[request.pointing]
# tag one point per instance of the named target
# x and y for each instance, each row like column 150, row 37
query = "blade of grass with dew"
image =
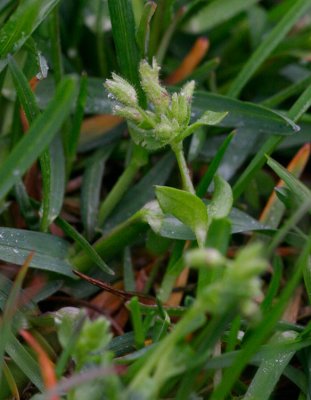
column 21, row 24
column 264, row 328
column 52, row 160
column 271, row 40
column 270, row 369
column 41, row 133
column 82, row 242
column 50, row 251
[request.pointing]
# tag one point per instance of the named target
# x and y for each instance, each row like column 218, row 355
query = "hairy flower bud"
column 156, row 93
column 129, row 113
column 121, row 90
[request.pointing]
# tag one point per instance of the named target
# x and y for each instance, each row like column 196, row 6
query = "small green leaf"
column 209, row 118
column 186, row 207
column 212, row 117
column 221, row 203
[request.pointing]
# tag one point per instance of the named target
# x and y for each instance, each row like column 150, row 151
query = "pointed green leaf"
column 186, row 207
column 222, row 200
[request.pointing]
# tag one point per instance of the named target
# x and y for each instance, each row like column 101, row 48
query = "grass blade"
column 20, row 26
column 82, row 242
column 122, row 21
column 266, row 47
column 38, row 138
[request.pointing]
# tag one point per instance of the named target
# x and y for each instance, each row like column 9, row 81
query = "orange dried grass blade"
column 190, row 62
column 296, row 167
column 46, row 365
column 98, row 125
column 175, row 298
column 25, row 124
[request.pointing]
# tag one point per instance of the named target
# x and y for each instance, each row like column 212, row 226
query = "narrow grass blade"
column 82, row 242
column 52, row 161
column 137, row 322
column 22, row 23
column 142, row 192
column 38, row 138
column 299, row 190
column 25, row 361
column 72, row 138
column 122, row 21
column 274, row 209
column 212, row 169
column 266, row 47
column 270, row 369
column 90, row 192
column 111, row 244
column 25, row 94
column 143, row 31
column 53, row 179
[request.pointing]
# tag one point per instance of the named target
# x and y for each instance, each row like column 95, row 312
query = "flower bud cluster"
column 168, row 117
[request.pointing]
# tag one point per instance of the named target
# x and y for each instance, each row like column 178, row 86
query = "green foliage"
column 142, row 144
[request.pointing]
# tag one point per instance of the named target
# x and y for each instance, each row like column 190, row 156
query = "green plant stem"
column 110, row 245
column 139, row 158
column 182, row 165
